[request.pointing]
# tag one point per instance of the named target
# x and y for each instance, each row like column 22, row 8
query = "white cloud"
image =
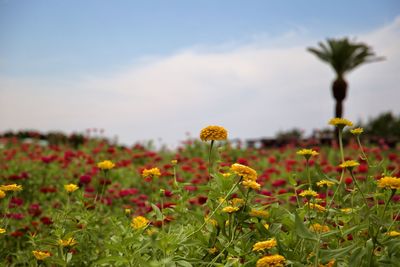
column 253, row 90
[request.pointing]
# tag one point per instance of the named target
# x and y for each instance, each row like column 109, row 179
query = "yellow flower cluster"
column 139, row 222
column 11, row 187
column 41, row 255
column 71, row 188
column 349, row 164
column 308, row 193
column 67, row 242
column 263, row 214
column 105, row 165
column 2, row 230
column 2, row 194
column 340, row 122
column 271, row 261
column 268, row 244
column 153, row 172
column 317, row 207
column 318, row 228
column 389, row 182
column 357, row 131
column 213, row 133
column 326, row 183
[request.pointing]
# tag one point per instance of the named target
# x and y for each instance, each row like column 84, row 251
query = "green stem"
column 308, row 173
column 358, row 188
column 210, row 167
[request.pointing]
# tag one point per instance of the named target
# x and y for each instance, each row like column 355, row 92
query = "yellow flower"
column 270, row 243
column 317, row 207
column 389, row 182
column 349, row 164
column 71, row 187
column 139, row 222
column 230, row 209
column 325, row 183
column 127, row 211
column 151, row 231
column 317, row 228
column 238, row 202
column 106, row 165
column 266, row 225
column 307, row 153
column 340, row 122
column 393, row 233
column 40, row 255
column 153, row 172
column 251, row 184
column 246, row 172
column 2, row 230
column 212, row 250
column 67, row 242
column 213, row 133
column 2, row 194
column 11, row 187
column 174, row 162
column 308, row 193
column 346, row 210
column 357, row 131
column 271, row 261
column 263, row 214
column 211, row 221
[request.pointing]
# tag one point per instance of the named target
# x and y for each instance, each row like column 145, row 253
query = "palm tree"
column 343, row 56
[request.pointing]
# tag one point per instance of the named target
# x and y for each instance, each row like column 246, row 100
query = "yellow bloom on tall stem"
column 106, row 165
column 139, row 222
column 307, row 153
column 11, row 187
column 153, row 172
column 271, row 261
column 230, row 209
column 326, row 183
column 308, row 193
column 213, row 133
column 357, row 131
column 340, row 122
column 389, row 182
column 349, row 164
column 71, row 188
column 40, row 255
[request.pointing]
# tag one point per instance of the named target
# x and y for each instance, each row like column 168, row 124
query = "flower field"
column 207, row 203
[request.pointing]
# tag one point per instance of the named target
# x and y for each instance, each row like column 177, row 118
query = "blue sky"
column 108, row 52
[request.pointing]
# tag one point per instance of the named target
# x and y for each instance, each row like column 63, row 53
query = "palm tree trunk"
column 338, row 109
column 339, row 90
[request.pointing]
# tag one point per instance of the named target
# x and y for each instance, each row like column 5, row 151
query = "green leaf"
column 336, row 253
column 159, row 215
column 302, row 230
column 184, row 263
